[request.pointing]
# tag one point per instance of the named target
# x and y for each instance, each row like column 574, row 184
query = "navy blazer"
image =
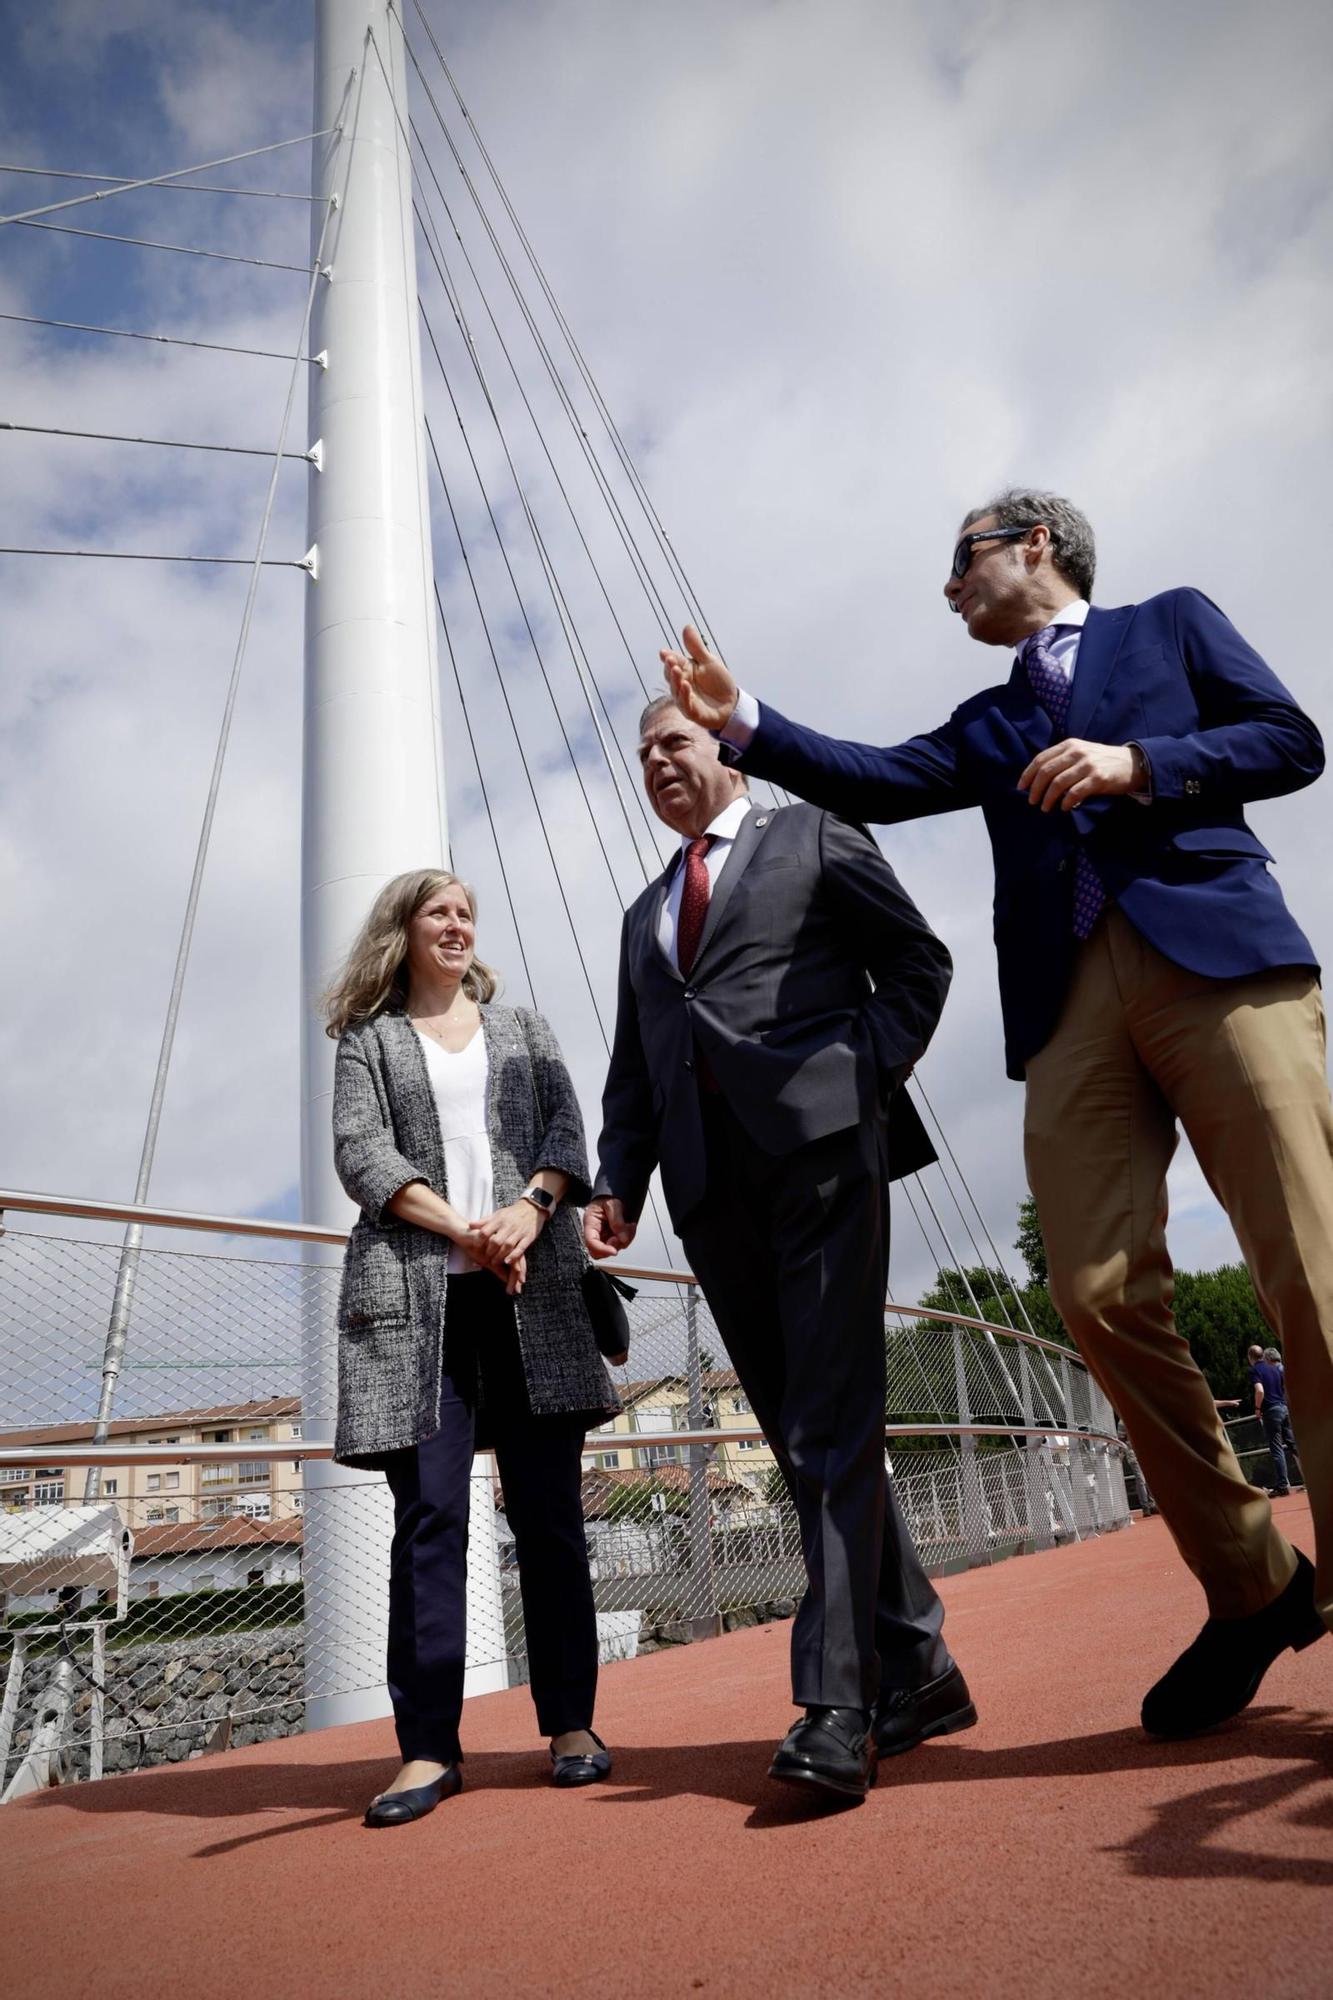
column 1218, row 729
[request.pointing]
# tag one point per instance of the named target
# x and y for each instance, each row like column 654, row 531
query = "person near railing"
column 1269, row 1383
column 1150, row 972
column 776, row 987
column 462, row 1323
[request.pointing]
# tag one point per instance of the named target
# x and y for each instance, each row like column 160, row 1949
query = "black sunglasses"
column 962, row 555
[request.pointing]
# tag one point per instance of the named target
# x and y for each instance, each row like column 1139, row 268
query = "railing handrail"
column 85, row 1210
column 308, row 1448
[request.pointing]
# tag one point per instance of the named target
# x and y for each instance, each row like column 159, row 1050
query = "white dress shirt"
column 722, row 834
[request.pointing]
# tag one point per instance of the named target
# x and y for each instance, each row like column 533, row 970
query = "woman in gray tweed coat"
column 461, row 1321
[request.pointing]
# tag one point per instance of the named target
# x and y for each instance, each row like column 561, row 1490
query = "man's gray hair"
column 1073, row 546
column 1271, row 1354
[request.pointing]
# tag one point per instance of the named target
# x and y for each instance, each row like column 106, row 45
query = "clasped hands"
column 501, row 1242
column 1064, row 775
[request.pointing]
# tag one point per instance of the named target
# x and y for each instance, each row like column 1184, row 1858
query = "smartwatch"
column 540, row 1198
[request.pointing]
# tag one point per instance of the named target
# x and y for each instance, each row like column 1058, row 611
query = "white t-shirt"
column 459, row 1082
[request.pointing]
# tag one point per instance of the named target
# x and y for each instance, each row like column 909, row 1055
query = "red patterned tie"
column 693, row 903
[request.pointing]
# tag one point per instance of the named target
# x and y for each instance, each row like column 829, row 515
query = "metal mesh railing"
column 255, row 1580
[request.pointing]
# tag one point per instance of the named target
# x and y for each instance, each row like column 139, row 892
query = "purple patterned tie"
column 1053, row 690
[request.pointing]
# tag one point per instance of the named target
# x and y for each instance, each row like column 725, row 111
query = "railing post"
column 703, row 1618
column 1039, row 1509
column 1083, row 1513
column 976, row 1526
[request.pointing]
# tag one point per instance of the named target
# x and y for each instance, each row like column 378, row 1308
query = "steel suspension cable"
column 123, row 186
column 638, row 562
column 485, row 793
column 114, row 183
column 167, row 339
column 642, row 569
column 150, row 243
column 518, row 741
column 551, row 585
column 976, row 1206
column 118, row 1327
column 622, row 451
column 121, row 437
column 140, row 555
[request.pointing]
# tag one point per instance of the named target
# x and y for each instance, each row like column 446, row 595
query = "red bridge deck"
column 1051, row 1851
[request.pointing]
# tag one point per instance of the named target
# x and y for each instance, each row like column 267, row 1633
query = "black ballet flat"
column 582, row 1770
column 399, row 1808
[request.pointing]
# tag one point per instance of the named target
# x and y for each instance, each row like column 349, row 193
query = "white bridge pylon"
column 373, row 801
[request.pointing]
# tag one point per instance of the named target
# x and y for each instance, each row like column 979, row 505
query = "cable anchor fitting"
column 310, row 562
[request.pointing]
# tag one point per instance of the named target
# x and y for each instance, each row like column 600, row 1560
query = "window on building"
column 298, row 1430
column 254, row 1576
column 111, row 1487
column 216, row 1510
column 662, row 1454
column 172, row 1513
column 609, row 1460
column 155, row 1482
column 216, row 1475
column 172, row 1482
column 252, row 1472
column 219, row 1437
column 298, row 1503
column 740, row 1406
column 255, row 1507
column 256, row 1436
column 155, row 1514
column 749, row 1444
column 48, row 1492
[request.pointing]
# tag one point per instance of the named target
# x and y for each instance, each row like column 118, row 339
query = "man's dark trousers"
column 1276, row 1420
column 792, row 1253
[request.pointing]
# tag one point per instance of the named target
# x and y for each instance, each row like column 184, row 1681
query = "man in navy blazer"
column 1150, row 972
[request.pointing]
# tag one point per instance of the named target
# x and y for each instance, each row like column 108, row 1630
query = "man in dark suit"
column 1149, row 972
column 776, row 988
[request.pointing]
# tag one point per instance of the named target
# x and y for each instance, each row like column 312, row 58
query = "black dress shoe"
column 1220, row 1673
column 829, row 1747
column 399, row 1808
column 907, row 1716
column 580, row 1768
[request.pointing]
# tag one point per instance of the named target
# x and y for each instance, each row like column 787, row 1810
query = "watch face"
column 540, row 1197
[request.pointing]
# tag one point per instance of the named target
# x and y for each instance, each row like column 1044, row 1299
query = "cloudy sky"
column 840, row 270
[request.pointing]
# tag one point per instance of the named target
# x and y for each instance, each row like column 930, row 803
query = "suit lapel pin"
column 761, row 821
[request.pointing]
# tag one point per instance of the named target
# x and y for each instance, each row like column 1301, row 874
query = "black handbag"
column 604, row 1296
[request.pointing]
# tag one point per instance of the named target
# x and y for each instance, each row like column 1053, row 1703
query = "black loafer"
column 582, row 1769
column 907, row 1716
column 400, row 1808
column 1219, row 1675
column 829, row 1747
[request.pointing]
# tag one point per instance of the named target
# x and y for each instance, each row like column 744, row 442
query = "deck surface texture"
column 1052, row 1850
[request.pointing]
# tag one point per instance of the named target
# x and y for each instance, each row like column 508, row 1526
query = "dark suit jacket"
column 1218, row 728
column 804, row 916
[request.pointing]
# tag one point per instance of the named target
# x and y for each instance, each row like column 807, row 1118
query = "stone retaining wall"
column 164, row 1701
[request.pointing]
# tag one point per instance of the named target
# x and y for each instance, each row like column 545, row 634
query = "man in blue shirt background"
column 1269, row 1383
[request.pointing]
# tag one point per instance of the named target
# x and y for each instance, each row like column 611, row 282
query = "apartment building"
column 662, row 1405
column 167, row 1495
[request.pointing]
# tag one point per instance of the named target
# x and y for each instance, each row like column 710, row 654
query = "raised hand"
column 1073, row 770
column 605, row 1228
column 700, row 685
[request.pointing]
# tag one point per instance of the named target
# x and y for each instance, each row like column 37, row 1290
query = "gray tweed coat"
column 391, row 1310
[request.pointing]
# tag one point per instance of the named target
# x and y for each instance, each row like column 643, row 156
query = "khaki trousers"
column 1240, row 1063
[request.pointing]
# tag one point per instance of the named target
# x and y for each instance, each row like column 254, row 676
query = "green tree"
column 1029, row 1244
column 1219, row 1316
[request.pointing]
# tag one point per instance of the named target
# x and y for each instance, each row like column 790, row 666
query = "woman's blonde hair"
column 375, row 975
